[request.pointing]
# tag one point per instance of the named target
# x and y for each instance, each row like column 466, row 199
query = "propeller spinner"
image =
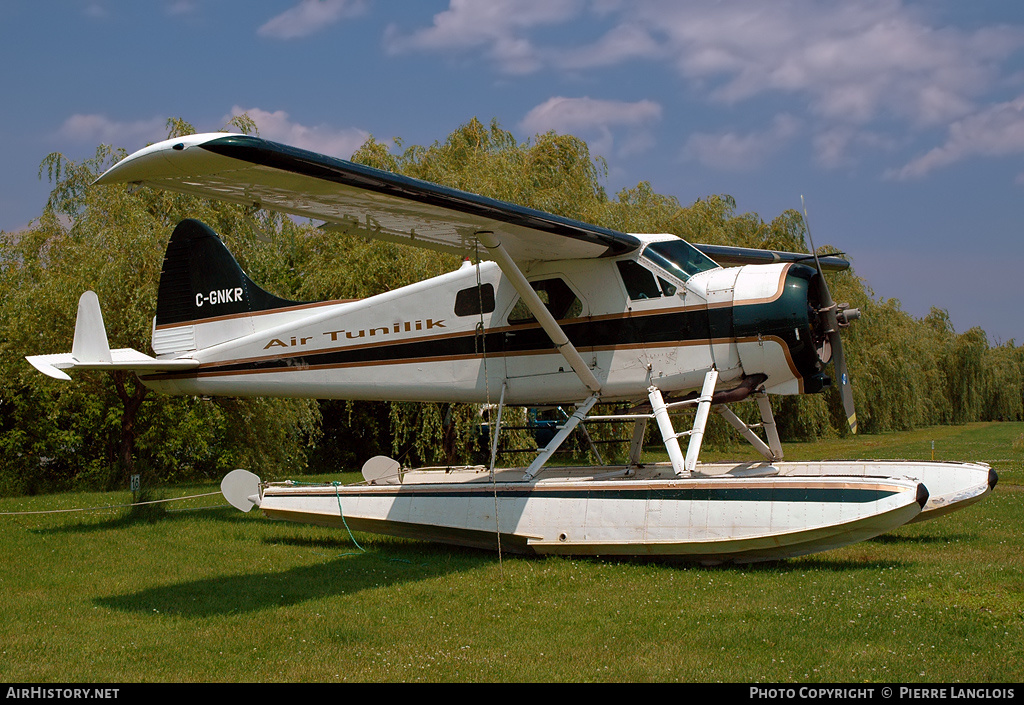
column 833, row 317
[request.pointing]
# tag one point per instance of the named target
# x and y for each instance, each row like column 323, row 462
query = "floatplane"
column 545, row 311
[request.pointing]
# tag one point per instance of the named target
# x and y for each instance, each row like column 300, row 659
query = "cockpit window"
column 679, row 257
column 640, row 282
column 557, row 297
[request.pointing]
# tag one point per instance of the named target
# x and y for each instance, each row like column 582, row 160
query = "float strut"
column 496, row 430
column 701, row 421
column 636, row 445
column 747, row 432
column 571, row 423
column 668, row 434
column 764, row 405
column 684, row 466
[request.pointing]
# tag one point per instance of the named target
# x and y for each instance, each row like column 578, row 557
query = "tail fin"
column 201, row 281
column 90, row 343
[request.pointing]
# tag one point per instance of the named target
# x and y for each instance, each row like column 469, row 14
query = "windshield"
column 679, row 258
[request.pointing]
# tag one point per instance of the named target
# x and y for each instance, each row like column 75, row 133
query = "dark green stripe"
column 839, row 495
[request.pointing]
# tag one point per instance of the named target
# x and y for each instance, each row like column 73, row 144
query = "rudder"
column 199, row 281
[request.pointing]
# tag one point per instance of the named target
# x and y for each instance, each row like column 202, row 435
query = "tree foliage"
column 103, row 427
column 906, row 372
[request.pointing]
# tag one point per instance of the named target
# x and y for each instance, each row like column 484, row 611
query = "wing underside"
column 352, row 197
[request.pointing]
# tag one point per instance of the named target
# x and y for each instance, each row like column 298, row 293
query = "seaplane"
column 545, row 311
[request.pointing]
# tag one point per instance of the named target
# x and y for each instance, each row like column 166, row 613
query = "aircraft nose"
column 786, row 317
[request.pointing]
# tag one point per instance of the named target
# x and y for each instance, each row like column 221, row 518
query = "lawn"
column 200, row 592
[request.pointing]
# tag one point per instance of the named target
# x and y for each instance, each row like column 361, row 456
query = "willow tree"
column 103, row 427
column 906, row 372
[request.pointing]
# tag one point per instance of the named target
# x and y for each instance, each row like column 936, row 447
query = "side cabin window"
column 474, row 300
column 640, row 282
column 679, row 258
column 559, row 299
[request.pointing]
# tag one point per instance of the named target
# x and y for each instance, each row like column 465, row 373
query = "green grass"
column 217, row 595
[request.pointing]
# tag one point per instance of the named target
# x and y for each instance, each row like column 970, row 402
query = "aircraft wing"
column 352, row 197
column 728, row 256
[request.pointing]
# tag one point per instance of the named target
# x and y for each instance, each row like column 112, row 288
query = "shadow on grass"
column 921, row 539
column 801, row 564
column 347, row 570
column 346, row 574
column 139, row 515
column 354, row 571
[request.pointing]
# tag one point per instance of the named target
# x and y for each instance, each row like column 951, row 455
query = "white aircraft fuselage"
column 448, row 339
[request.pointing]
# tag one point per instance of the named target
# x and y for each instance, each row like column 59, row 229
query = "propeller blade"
column 827, row 303
column 829, row 312
column 845, row 388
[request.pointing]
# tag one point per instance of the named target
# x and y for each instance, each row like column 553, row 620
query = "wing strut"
column 539, row 310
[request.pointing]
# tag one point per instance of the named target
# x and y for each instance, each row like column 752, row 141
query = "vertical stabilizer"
column 200, row 279
column 201, row 282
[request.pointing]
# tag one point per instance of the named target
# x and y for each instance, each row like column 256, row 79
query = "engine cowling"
column 777, row 327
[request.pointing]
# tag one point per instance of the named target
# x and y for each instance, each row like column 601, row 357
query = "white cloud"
column 733, row 151
column 585, row 115
column 101, row 129
column 95, row 10
column 181, row 7
column 622, row 43
column 495, row 26
column 309, row 17
column 995, row 131
column 851, row 70
column 853, row 62
column 566, row 114
column 278, row 127
column 273, row 125
column 841, row 145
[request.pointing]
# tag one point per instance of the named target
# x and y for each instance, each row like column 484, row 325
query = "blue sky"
column 900, row 122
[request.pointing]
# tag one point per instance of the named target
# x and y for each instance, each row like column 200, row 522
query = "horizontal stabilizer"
column 90, row 350
column 121, row 359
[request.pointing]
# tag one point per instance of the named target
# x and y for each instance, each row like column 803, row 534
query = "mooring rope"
column 194, row 496
column 337, row 495
column 114, row 506
column 495, row 429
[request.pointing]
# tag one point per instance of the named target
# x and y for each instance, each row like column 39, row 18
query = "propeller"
column 833, row 317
